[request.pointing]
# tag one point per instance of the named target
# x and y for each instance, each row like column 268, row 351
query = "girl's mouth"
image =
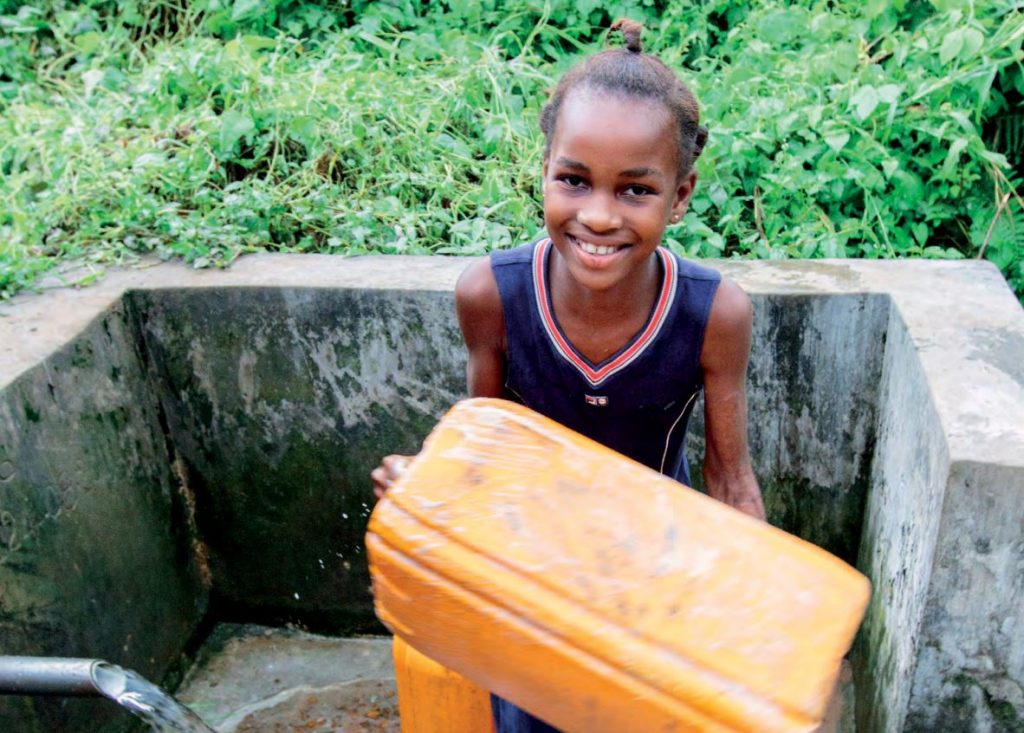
column 595, row 249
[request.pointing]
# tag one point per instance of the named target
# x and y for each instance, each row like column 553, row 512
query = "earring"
column 675, row 218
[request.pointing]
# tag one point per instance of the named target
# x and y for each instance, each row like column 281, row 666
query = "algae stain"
column 1004, row 714
column 31, row 414
column 200, row 551
column 958, row 710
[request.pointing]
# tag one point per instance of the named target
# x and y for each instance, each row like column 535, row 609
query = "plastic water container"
column 434, row 699
column 599, row 595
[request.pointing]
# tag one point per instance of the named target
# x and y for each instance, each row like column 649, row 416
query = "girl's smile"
column 597, row 256
column 595, row 249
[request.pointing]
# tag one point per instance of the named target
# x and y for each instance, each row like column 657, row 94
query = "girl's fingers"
column 396, row 466
column 390, row 468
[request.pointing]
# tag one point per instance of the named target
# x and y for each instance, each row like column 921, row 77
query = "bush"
column 202, row 130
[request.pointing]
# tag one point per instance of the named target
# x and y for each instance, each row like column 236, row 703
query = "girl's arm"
column 728, row 474
column 482, row 321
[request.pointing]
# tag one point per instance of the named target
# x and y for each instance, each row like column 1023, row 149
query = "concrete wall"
column 944, row 534
column 279, row 403
column 973, row 682
column 303, row 383
column 900, row 532
column 260, row 397
column 812, row 389
column 94, row 549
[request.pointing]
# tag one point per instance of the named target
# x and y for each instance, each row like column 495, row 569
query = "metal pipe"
column 67, row 677
column 48, row 676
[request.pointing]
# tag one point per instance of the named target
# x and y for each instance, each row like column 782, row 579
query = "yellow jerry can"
column 599, row 595
column 434, row 699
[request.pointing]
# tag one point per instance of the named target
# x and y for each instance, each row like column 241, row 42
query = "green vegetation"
column 210, row 128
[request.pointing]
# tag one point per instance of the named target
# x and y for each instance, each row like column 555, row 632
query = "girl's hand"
column 390, row 468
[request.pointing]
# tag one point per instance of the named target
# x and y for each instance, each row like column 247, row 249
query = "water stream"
column 134, row 693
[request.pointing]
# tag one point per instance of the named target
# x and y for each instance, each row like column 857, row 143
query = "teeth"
column 593, row 249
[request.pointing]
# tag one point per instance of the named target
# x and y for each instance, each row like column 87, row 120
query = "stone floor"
column 254, row 679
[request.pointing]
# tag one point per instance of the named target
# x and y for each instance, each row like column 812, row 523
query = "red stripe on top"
column 657, row 319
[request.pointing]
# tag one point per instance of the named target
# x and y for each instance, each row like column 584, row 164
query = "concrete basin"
column 182, row 448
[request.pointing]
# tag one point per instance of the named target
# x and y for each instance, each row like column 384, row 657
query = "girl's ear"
column 684, row 190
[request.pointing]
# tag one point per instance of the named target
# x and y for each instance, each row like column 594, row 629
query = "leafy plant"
column 206, row 129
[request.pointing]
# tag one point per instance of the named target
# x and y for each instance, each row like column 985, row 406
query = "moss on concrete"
column 828, row 516
column 967, row 705
column 1005, row 716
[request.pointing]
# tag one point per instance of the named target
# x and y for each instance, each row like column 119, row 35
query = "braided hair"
column 631, row 72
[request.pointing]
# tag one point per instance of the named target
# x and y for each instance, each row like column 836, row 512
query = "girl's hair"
column 630, row 72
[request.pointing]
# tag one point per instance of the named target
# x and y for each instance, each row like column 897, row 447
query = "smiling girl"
column 596, row 325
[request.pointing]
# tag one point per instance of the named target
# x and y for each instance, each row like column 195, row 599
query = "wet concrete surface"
column 258, row 679
column 253, row 678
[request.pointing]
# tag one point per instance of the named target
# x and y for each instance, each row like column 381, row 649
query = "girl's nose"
column 598, row 218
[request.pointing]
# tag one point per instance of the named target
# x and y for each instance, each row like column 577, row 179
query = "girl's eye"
column 636, row 190
column 572, row 181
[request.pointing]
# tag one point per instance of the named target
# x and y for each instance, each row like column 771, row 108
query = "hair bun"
column 630, row 31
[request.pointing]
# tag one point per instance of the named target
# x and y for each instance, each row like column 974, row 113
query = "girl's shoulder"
column 523, row 254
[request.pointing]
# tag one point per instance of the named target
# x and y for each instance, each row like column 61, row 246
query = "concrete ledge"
column 886, row 422
column 961, row 316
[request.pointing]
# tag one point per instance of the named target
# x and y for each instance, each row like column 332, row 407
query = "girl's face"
column 611, row 185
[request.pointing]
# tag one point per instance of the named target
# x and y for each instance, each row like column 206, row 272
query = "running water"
column 136, row 694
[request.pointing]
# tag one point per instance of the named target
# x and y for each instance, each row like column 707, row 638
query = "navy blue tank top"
column 638, row 401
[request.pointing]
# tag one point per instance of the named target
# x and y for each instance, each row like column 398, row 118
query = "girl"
column 596, row 325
